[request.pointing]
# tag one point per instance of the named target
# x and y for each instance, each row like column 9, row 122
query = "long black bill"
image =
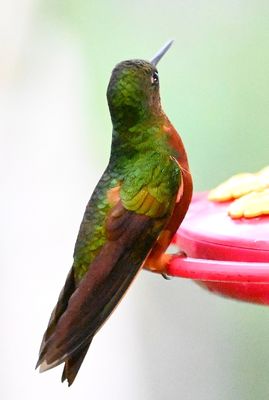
column 161, row 52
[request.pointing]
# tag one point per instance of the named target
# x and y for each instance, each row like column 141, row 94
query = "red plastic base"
column 226, row 257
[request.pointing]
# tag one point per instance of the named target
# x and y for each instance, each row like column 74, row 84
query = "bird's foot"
column 158, row 264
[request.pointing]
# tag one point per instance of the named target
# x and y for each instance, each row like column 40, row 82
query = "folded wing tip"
column 43, row 366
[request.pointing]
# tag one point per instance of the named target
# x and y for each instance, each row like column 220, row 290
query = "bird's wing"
column 132, row 227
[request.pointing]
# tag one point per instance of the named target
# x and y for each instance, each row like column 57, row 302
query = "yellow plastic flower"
column 250, row 205
column 250, row 192
column 239, row 185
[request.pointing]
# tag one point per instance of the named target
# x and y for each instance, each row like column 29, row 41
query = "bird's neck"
column 129, row 117
column 145, row 135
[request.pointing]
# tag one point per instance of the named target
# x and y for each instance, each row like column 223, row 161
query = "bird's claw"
column 166, row 277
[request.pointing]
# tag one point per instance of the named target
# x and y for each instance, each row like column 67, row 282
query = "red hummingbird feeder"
column 229, row 257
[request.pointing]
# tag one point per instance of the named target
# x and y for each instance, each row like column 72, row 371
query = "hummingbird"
column 130, row 219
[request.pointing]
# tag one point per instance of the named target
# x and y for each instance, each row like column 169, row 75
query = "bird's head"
column 133, row 91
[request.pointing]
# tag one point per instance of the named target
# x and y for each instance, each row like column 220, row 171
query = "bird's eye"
column 154, row 78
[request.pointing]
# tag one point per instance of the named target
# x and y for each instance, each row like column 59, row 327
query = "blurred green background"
column 213, row 80
column 167, row 340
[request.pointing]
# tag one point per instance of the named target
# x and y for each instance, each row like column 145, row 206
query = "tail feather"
column 73, row 364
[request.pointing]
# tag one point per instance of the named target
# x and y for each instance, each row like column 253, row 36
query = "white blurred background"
column 168, row 339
